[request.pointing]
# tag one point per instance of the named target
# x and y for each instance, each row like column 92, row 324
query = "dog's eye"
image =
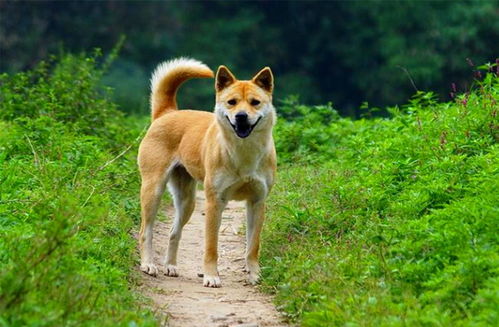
column 255, row 102
column 232, row 102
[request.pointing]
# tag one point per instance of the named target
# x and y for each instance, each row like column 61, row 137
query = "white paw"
column 149, row 268
column 211, row 281
column 253, row 270
column 253, row 278
column 171, row 271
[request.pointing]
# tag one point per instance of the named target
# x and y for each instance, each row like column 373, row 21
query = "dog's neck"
column 246, row 153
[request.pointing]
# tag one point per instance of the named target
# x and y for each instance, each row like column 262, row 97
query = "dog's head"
column 243, row 107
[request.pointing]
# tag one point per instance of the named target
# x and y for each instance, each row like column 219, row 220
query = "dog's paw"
column 171, row 271
column 252, row 268
column 149, row 268
column 211, row 281
column 253, row 278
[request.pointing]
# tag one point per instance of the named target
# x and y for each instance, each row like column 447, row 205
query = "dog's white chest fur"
column 244, row 170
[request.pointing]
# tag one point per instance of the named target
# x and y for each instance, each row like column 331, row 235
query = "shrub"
column 68, row 200
column 389, row 221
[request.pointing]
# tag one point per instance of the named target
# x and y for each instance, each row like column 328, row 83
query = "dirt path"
column 184, row 299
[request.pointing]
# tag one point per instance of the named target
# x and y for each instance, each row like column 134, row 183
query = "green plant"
column 390, row 221
column 68, row 200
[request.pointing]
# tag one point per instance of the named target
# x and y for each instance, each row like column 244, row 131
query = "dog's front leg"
column 255, row 212
column 214, row 208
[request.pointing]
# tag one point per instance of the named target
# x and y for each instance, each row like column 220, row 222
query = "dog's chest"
column 243, row 182
column 249, row 186
column 246, row 173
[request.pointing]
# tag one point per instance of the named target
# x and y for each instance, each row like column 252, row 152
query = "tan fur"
column 187, row 146
column 164, row 86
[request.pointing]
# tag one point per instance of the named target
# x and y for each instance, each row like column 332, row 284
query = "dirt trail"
column 184, row 299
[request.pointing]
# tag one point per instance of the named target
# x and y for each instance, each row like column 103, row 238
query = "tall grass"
column 68, row 200
column 373, row 222
column 388, row 221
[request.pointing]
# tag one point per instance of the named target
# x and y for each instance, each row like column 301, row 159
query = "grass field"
column 388, row 221
column 373, row 222
column 68, row 201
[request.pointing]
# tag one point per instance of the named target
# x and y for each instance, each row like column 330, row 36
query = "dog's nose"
column 241, row 116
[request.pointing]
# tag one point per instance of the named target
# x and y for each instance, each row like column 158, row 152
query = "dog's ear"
column 264, row 79
column 224, row 78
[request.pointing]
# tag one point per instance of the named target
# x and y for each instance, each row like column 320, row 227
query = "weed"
column 388, row 221
column 68, row 200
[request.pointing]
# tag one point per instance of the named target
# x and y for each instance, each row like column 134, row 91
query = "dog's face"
column 244, row 106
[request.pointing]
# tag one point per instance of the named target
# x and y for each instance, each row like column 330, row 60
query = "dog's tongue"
column 243, row 130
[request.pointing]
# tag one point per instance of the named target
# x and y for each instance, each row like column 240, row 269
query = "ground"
column 184, row 300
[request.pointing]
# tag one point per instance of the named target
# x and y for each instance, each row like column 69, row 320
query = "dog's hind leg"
column 183, row 189
column 155, row 167
column 151, row 190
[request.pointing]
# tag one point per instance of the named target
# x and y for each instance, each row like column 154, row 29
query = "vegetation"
column 341, row 51
column 388, row 221
column 377, row 221
column 68, row 200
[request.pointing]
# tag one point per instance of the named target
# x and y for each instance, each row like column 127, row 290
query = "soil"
column 184, row 300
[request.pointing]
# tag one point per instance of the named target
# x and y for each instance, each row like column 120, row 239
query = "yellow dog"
column 231, row 151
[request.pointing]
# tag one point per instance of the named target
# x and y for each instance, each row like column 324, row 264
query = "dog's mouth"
column 243, row 128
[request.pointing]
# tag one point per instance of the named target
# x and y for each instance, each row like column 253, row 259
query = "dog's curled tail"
column 167, row 78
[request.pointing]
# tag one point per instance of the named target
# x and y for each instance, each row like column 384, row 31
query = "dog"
column 231, row 151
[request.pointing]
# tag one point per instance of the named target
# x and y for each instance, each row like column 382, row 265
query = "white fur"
column 167, row 67
column 183, row 192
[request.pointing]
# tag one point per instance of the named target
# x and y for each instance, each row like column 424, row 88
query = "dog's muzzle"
column 242, row 127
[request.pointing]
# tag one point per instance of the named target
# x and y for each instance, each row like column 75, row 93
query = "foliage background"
column 346, row 52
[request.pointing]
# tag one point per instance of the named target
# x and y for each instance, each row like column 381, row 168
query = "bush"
column 68, row 200
column 389, row 221
column 307, row 132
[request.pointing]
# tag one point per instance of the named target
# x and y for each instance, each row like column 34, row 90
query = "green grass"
column 373, row 222
column 68, row 200
column 388, row 221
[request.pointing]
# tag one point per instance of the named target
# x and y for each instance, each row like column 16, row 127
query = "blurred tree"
column 426, row 41
column 346, row 52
